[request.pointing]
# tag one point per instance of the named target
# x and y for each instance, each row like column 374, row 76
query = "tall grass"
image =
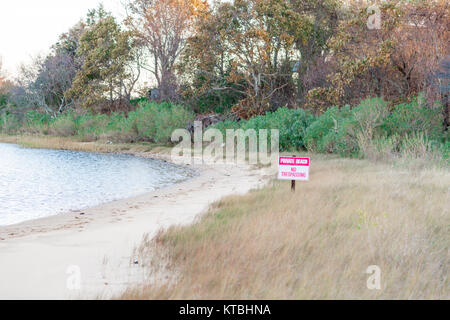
column 151, row 122
column 316, row 243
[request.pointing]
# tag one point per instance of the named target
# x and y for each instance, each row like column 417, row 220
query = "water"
column 36, row 183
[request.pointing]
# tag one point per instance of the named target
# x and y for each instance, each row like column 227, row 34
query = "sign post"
column 293, row 168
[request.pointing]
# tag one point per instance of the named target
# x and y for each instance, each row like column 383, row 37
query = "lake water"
column 36, row 183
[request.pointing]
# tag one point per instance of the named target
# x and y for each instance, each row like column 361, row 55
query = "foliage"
column 162, row 28
column 370, row 130
column 42, row 84
column 107, row 52
column 254, row 45
column 396, row 61
column 150, row 122
column 156, row 122
column 367, row 130
column 5, row 87
column 291, row 123
column 416, row 116
column 64, row 125
column 9, row 122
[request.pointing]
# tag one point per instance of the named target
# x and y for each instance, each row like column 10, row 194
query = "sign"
column 292, row 168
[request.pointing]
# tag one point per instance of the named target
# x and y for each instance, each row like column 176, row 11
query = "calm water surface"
column 36, row 183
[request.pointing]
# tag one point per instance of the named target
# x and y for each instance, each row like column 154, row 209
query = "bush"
column 150, row 122
column 412, row 130
column 291, row 123
column 9, row 123
column 323, row 134
column 37, row 122
column 344, row 131
column 155, row 122
column 415, row 116
column 90, row 127
column 64, row 125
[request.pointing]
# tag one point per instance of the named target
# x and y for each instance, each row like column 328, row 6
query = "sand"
column 42, row 259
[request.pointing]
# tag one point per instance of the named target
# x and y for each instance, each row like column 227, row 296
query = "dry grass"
column 314, row 244
column 318, row 242
column 72, row 143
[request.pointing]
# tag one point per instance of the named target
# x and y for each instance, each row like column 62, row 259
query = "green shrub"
column 342, row 139
column 150, row 122
column 155, row 122
column 291, row 123
column 414, row 117
column 228, row 124
column 343, row 130
column 90, row 127
column 323, row 134
column 64, row 125
column 36, row 122
column 3, row 100
column 370, row 116
column 9, row 123
column 445, row 150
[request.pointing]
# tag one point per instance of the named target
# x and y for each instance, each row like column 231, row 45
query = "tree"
column 395, row 62
column 163, row 27
column 313, row 48
column 205, row 67
column 43, row 83
column 5, row 87
column 110, row 66
column 27, row 93
column 1, row 72
column 2, row 78
column 257, row 45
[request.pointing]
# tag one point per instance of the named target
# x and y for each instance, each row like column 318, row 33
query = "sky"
column 30, row 27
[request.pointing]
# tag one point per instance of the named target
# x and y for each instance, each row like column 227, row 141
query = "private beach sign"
column 293, row 168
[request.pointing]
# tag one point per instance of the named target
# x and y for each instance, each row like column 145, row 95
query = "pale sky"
column 30, row 27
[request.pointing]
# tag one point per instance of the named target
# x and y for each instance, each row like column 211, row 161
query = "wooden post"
column 293, row 182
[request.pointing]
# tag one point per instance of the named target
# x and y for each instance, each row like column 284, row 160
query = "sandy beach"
column 36, row 257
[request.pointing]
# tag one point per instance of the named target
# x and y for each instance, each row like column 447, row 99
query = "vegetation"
column 243, row 58
column 369, row 130
column 108, row 59
column 311, row 69
column 151, row 122
column 313, row 244
column 334, row 77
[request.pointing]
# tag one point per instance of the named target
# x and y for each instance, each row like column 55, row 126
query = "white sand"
column 35, row 255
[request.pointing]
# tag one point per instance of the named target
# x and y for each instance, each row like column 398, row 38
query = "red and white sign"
column 292, row 168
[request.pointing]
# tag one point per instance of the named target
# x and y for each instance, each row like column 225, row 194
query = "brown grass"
column 72, row 143
column 316, row 243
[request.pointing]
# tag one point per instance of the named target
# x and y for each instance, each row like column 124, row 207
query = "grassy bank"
column 316, row 243
column 77, row 144
column 150, row 122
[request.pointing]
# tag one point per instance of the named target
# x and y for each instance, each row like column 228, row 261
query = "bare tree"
column 1, row 66
column 163, row 27
column 2, row 74
column 5, row 87
column 43, row 83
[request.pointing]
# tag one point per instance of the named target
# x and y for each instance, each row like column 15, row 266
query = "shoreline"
column 16, row 230
column 37, row 254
